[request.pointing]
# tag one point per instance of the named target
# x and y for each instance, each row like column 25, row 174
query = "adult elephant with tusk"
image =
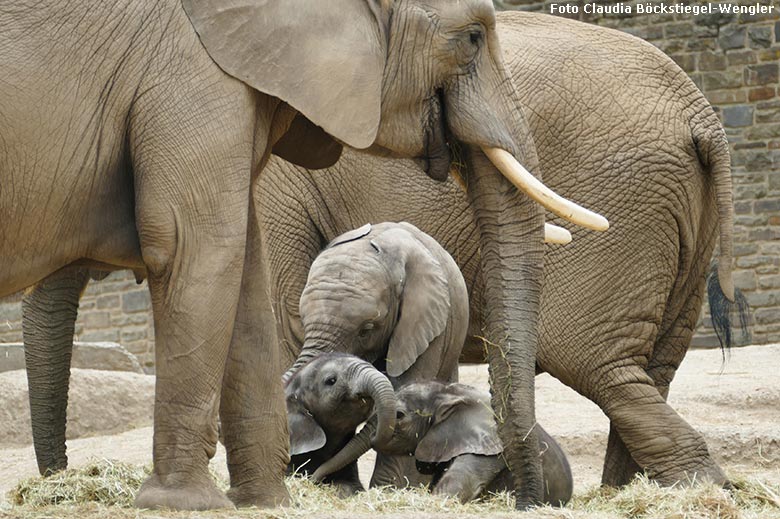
column 141, row 149
column 619, row 125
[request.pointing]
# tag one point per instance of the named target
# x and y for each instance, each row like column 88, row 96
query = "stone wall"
column 734, row 60
column 116, row 309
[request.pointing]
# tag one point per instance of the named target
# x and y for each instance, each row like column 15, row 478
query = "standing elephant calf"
column 391, row 295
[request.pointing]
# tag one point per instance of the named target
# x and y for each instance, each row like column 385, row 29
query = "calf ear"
column 306, row 435
column 462, row 424
column 325, row 58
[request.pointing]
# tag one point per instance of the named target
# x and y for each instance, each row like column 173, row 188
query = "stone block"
column 108, row 301
column 766, row 315
column 107, row 356
column 764, row 299
column 761, row 93
column 732, row 37
column 770, row 205
column 760, row 36
column 96, row 319
column 768, row 116
column 700, row 44
column 100, row 336
column 741, row 57
column 738, row 115
column 761, row 132
column 134, row 333
column 721, row 80
column 769, row 55
column 763, row 74
column 678, row 30
column 709, row 60
column 745, row 279
column 726, row 97
column 136, row 301
column 687, row 62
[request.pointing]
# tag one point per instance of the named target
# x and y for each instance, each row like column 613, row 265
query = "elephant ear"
column 462, row 424
column 307, row 145
column 324, row 58
column 424, row 307
column 306, row 435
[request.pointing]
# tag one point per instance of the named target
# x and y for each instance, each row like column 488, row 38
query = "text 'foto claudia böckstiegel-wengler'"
column 664, row 8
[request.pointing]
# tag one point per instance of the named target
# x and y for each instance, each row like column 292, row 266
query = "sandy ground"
column 735, row 405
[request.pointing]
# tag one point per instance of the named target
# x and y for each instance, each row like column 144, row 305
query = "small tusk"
column 555, row 234
column 549, row 199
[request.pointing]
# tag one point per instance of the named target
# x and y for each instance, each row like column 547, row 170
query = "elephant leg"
column 659, row 440
column 398, row 471
column 49, row 314
column 254, row 371
column 192, row 161
column 668, row 353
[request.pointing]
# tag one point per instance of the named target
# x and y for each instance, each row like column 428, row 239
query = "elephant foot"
column 201, row 495
column 345, row 489
column 270, row 496
column 705, row 472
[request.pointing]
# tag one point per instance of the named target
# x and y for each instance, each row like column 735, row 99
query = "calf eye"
column 366, row 329
column 475, row 37
column 330, row 380
column 400, row 415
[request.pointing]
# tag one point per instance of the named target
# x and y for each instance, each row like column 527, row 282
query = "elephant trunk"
column 511, row 242
column 379, row 429
column 308, row 353
column 370, row 382
column 48, row 321
column 356, row 447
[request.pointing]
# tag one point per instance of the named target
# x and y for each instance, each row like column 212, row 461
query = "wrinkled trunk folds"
column 511, row 244
column 49, row 316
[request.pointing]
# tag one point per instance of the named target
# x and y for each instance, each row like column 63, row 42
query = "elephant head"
column 329, row 397
column 419, row 78
column 376, row 292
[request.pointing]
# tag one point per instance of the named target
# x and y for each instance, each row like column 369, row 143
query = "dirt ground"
column 735, row 405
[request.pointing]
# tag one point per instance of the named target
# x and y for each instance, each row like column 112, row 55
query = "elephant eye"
column 330, row 380
column 475, row 36
column 400, row 415
column 366, row 329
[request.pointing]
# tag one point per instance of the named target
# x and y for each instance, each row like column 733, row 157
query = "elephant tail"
column 712, row 148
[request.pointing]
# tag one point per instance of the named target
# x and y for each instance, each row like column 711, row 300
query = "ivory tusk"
column 555, row 234
column 549, row 199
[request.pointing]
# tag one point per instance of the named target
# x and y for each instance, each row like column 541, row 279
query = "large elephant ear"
column 424, row 308
column 306, row 435
column 324, row 58
column 462, row 424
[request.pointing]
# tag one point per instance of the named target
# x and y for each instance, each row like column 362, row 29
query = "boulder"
column 99, row 403
column 108, row 356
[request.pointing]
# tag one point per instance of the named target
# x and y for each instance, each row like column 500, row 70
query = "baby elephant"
column 326, row 400
column 451, row 431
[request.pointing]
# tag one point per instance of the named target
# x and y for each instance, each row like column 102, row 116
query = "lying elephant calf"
column 451, row 431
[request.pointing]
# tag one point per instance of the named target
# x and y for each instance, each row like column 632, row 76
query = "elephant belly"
column 66, row 187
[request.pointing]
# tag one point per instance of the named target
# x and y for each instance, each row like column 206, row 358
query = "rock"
column 108, row 356
column 100, row 402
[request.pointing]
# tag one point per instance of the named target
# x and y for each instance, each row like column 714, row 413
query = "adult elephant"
column 616, row 124
column 131, row 134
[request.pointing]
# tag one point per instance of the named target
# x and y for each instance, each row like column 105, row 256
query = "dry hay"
column 106, row 488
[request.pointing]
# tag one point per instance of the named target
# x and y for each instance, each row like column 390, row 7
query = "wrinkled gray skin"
column 450, row 429
column 326, row 400
column 389, row 294
column 127, row 146
column 619, row 126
